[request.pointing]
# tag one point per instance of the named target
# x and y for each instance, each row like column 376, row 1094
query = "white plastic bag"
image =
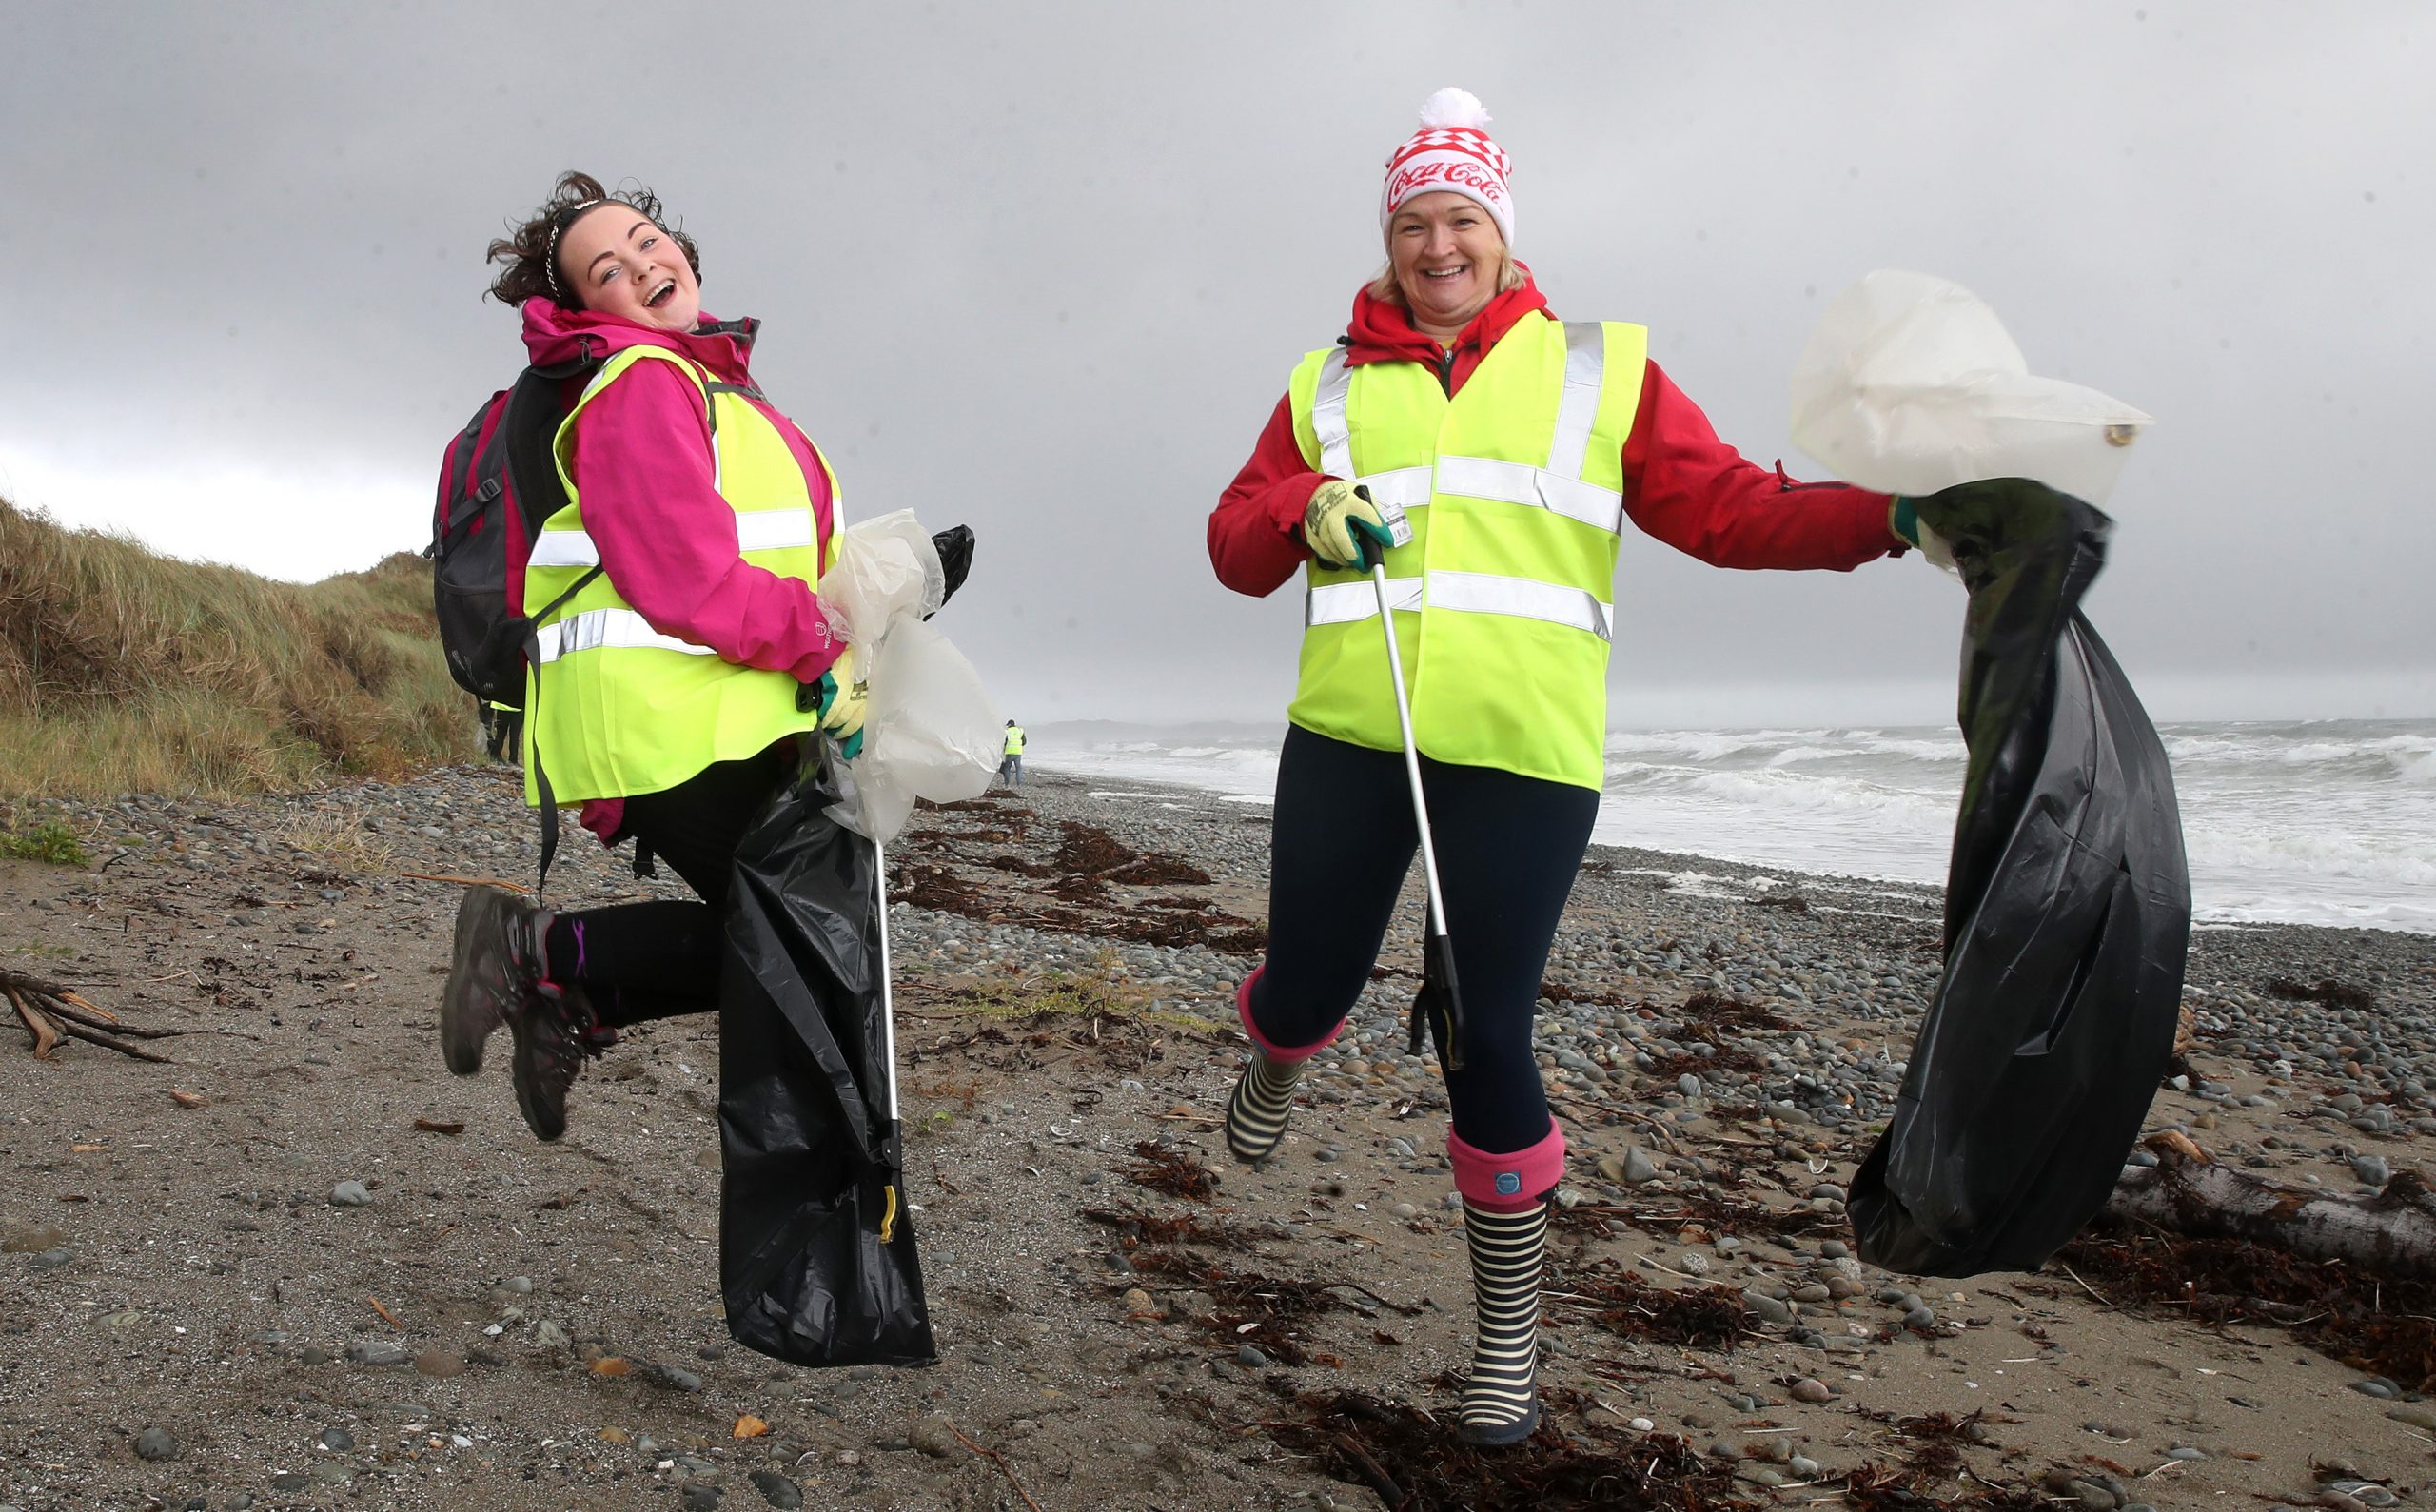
column 929, row 730
column 1910, row 384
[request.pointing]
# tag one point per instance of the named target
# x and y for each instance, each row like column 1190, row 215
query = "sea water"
column 2316, row 822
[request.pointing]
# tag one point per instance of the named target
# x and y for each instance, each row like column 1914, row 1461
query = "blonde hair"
column 1509, row 278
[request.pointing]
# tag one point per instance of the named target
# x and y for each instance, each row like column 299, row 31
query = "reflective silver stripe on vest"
column 1535, row 487
column 621, row 628
column 1328, row 416
column 1479, row 593
column 1340, row 603
column 1559, row 487
column 759, row 530
column 1476, row 593
column 1405, row 487
column 1585, row 371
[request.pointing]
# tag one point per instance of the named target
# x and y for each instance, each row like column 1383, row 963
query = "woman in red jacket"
column 1517, row 448
column 597, row 275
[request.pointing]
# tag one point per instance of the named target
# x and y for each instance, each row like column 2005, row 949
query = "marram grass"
column 122, row 671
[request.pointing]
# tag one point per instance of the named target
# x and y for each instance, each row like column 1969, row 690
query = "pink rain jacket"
column 641, row 464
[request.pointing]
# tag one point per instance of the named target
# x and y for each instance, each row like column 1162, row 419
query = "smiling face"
column 1447, row 256
column 616, row 261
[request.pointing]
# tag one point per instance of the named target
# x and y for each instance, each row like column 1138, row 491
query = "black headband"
column 550, row 261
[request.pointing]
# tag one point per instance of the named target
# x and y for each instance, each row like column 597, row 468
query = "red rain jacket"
column 1681, row 485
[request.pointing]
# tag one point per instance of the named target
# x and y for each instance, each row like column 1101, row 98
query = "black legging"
column 638, row 961
column 1508, row 849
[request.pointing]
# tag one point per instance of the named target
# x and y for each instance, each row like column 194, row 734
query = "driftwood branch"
column 52, row 1012
column 2394, row 1230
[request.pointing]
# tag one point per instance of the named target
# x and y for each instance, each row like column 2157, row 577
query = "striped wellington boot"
column 1256, row 1114
column 1502, row 1399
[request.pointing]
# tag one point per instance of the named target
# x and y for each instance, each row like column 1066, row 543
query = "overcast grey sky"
column 1044, row 269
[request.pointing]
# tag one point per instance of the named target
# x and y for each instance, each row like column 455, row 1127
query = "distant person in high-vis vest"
column 665, row 696
column 1011, row 769
column 1521, row 449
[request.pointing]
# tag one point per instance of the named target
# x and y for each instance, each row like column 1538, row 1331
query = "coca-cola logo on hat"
column 1422, row 175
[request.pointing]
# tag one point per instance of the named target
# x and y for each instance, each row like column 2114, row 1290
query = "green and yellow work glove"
column 1344, row 528
column 843, row 699
column 1904, row 519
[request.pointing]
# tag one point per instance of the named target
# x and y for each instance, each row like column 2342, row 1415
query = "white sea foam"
column 2320, row 822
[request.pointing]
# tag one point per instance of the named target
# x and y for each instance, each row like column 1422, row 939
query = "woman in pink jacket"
column 594, row 275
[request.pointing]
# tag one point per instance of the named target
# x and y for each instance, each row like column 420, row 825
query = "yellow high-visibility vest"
column 1014, row 739
column 620, row 708
column 1502, row 602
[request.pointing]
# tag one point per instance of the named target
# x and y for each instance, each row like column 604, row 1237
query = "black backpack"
column 497, row 485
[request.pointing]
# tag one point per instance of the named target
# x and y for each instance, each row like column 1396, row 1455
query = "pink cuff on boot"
column 1512, row 1183
column 1276, row 1052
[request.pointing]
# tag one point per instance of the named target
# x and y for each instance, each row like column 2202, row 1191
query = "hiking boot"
column 555, row 1033
column 499, row 963
column 1502, row 1395
column 1256, row 1114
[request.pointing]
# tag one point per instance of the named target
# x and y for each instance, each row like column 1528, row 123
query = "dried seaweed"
column 1089, row 849
column 1135, row 1227
column 1415, row 1462
column 2383, row 1325
column 1709, row 1317
column 1717, row 1010
column 1155, row 869
column 2330, row 991
column 1162, row 1168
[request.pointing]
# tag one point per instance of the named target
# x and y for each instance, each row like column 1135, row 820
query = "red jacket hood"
column 1381, row 332
column 553, row 335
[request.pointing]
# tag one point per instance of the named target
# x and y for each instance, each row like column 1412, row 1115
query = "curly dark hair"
column 528, row 250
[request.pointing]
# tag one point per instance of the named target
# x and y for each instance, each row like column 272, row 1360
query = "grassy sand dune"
column 124, row 671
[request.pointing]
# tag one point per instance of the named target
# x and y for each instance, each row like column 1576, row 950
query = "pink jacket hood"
column 553, row 335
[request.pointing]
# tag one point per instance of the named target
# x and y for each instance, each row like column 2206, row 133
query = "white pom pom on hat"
column 1451, row 153
column 1451, row 107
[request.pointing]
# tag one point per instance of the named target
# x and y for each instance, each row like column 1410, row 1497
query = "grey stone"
column 2377, row 1387
column 1249, row 1355
column 935, row 1437
column 338, row 1440
column 1638, row 1168
column 778, row 1490
column 698, row 1496
column 159, row 1444
column 1767, row 1308
column 32, row 1239
column 376, row 1354
column 291, row 1483
column 349, row 1194
column 2095, row 1496
column 329, row 1472
column 672, row 1378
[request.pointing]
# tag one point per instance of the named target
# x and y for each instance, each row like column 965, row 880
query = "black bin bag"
column 817, row 1257
column 2066, row 917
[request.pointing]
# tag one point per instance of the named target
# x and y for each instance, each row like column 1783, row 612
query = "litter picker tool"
column 1438, row 1007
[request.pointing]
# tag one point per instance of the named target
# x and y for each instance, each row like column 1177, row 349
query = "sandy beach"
column 302, row 1265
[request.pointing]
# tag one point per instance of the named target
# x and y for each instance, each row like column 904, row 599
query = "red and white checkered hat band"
column 1456, row 160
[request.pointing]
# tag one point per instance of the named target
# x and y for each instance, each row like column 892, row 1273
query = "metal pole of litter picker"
column 1437, row 950
column 1412, row 752
column 887, row 972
